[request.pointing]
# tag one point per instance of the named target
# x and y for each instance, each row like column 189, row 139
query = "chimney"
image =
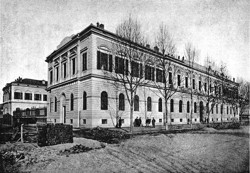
column 97, row 24
column 156, row 49
column 148, row 46
column 101, row 26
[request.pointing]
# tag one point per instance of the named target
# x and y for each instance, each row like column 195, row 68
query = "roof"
column 28, row 81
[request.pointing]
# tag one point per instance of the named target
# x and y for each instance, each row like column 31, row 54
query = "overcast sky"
column 31, row 29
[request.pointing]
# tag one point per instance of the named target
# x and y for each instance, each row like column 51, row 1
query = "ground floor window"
column 104, row 121
column 84, row 121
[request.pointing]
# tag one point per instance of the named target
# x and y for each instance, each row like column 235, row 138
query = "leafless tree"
column 244, row 96
column 129, row 60
column 192, row 55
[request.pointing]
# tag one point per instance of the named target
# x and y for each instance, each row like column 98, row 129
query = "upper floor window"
column 121, row 102
column 104, row 61
column 170, row 78
column 159, row 75
column 72, row 102
column 28, row 96
column 136, row 103
column 180, row 106
column 227, row 109
column 18, row 95
column 51, row 76
column 195, row 107
column 179, row 80
column 136, row 69
column 216, row 108
column 84, row 101
column 64, row 70
column 149, row 104
column 104, row 100
column 149, row 73
column 199, row 85
column 84, row 61
column 37, row 97
column 193, row 83
column 55, row 104
column 121, row 65
column 73, row 61
column 205, row 87
column 221, row 109
column 44, row 97
column 160, row 105
column 171, row 105
column 188, row 107
column 186, row 81
column 57, row 73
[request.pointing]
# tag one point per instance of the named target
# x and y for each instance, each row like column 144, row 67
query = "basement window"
column 104, row 121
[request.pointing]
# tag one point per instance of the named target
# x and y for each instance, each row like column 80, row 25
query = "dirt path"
column 163, row 153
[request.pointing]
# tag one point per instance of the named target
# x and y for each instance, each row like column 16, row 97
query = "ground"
column 209, row 150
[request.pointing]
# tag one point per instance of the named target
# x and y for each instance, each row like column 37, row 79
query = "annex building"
column 24, row 94
column 81, row 91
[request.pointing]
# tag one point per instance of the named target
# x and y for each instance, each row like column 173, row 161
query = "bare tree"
column 129, row 60
column 165, row 69
column 244, row 96
column 192, row 55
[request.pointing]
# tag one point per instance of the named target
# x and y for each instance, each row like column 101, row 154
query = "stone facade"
column 75, row 86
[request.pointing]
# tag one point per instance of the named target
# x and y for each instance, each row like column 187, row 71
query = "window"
column 50, row 108
column 179, row 80
column 160, row 105
column 160, row 120
column 207, row 106
column 121, row 65
column 170, row 78
column 55, row 104
column 181, row 120
column 195, row 119
column 55, row 120
column 121, row 102
column 135, row 71
column 104, row 100
column 44, row 97
column 37, row 97
column 71, row 102
column 205, row 87
column 199, row 85
column 216, row 108
column 171, row 105
column 180, row 106
column 84, row 101
column 186, row 79
column 73, row 61
column 71, row 121
column 104, row 61
column 83, row 121
column 149, row 104
column 230, row 110
column 104, row 121
column 172, row 120
column 188, row 107
column 136, row 103
column 64, row 70
column 51, row 76
column 193, row 83
column 159, row 75
column 195, row 107
column 227, row 109
column 149, row 73
column 221, row 109
column 57, row 73
column 212, row 108
column 84, row 61
column 28, row 96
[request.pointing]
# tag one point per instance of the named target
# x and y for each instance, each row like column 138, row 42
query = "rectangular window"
column 159, row 75
column 37, row 97
column 181, row 120
column 104, row 121
column 28, row 96
column 44, row 97
column 135, row 71
column 170, row 78
column 71, row 121
column 172, row 120
column 160, row 120
column 57, row 74
column 205, row 87
column 104, row 61
column 73, row 61
column 193, row 83
column 18, row 95
column 186, row 78
column 149, row 73
column 119, row 65
column 51, row 76
column 179, row 79
column 84, row 61
column 83, row 121
column 64, row 70
column 55, row 120
column 199, row 85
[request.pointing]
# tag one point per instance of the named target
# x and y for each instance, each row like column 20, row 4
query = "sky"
column 32, row 29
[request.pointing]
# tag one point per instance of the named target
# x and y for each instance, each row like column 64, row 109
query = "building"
column 81, row 92
column 24, row 93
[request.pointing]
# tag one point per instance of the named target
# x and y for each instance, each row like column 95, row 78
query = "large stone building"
column 81, row 91
column 23, row 94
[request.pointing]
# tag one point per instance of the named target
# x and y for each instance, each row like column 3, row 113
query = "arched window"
column 136, row 103
column 71, row 102
column 160, row 105
column 104, row 100
column 195, row 107
column 171, row 105
column 121, row 102
column 216, row 108
column 221, row 109
column 180, row 106
column 55, row 104
column 149, row 104
column 84, row 101
column 188, row 110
